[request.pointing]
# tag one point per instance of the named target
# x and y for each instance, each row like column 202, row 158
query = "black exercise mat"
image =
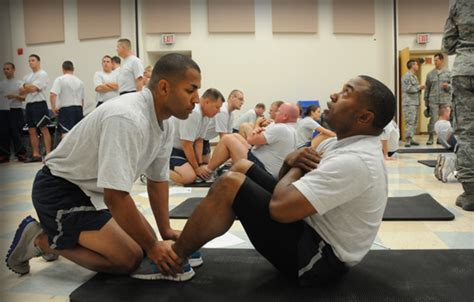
column 428, row 162
column 419, row 207
column 244, row 275
column 424, row 150
column 199, row 185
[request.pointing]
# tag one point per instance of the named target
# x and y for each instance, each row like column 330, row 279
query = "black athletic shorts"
column 295, row 249
column 37, row 114
column 68, row 117
column 206, row 147
column 178, row 158
column 64, row 210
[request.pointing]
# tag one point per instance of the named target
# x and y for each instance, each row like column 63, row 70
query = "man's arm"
column 124, row 211
column 103, row 88
column 139, row 83
column 15, row 97
column 158, row 193
column 287, row 203
column 188, row 148
column 451, row 34
column 112, row 86
column 29, row 88
column 53, row 97
column 198, row 147
column 257, row 137
column 427, row 91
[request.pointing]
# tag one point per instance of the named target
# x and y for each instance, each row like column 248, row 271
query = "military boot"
column 407, row 141
column 430, row 139
column 466, row 199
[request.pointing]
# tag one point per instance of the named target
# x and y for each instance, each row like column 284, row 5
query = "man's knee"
column 228, row 185
column 129, row 261
column 242, row 166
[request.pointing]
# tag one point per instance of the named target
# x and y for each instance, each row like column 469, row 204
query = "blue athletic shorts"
column 64, row 210
column 68, row 117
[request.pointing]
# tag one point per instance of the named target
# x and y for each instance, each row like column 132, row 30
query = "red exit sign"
column 422, row 38
column 167, row 39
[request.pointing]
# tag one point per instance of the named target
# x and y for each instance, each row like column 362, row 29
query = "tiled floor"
column 54, row 281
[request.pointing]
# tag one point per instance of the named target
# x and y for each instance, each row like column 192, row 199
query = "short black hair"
column 380, row 100
column 171, row 66
column 116, row 59
column 213, row 94
column 107, row 56
column 410, row 63
column 67, row 65
column 35, row 56
column 233, row 92
column 127, row 42
column 9, row 63
column 439, row 55
column 260, row 105
column 309, row 109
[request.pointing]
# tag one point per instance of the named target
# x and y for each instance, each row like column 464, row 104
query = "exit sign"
column 167, row 39
column 422, row 38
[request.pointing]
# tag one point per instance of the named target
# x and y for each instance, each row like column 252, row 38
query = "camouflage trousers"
column 463, row 102
column 434, row 108
column 410, row 113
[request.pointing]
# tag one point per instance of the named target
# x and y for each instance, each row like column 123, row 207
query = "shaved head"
column 287, row 113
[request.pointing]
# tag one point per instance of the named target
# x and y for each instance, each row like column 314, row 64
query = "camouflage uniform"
column 410, row 102
column 436, row 95
column 459, row 39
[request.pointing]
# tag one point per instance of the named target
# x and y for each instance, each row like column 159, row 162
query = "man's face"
column 415, row 67
column 121, row 50
column 280, row 115
column 33, row 62
column 345, row 106
column 211, row 107
column 237, row 100
column 439, row 63
column 273, row 111
column 183, row 94
column 107, row 64
column 8, row 71
column 259, row 111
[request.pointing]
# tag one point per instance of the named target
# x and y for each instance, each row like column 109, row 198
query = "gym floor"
column 56, row 280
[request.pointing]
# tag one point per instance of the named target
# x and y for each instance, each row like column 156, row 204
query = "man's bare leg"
column 183, row 174
column 231, row 146
column 46, row 139
column 245, row 130
column 318, row 140
column 213, row 217
column 108, row 250
column 34, row 142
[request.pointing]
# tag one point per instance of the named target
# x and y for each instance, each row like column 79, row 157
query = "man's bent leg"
column 231, row 146
column 213, row 217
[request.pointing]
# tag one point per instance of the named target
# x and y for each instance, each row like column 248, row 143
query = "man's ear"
column 163, row 87
column 366, row 117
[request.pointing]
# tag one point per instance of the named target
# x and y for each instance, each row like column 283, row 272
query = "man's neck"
column 36, row 69
column 440, row 68
column 107, row 71
column 10, row 77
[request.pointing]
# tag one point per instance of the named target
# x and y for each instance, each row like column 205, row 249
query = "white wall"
column 6, row 50
column 86, row 55
column 292, row 67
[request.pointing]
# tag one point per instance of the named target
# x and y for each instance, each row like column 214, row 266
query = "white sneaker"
column 447, row 168
column 439, row 163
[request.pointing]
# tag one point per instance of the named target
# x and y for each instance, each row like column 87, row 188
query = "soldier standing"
column 437, row 93
column 458, row 39
column 411, row 101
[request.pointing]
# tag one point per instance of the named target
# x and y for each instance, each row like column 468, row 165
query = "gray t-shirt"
column 304, row 130
column 248, row 117
column 281, row 140
column 113, row 145
column 391, row 134
column 130, row 70
column 69, row 90
column 444, row 130
column 39, row 79
column 190, row 129
column 221, row 123
column 349, row 192
column 102, row 77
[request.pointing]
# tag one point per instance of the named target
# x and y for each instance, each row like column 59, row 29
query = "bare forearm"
column 385, row 147
column 139, row 83
column 290, row 177
column 158, row 193
column 102, row 88
column 30, row 88
column 198, row 147
column 188, row 149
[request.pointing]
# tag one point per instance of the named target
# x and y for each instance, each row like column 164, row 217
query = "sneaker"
column 50, row 257
column 148, row 270
column 415, row 143
column 143, row 179
column 447, row 168
column 23, row 248
column 439, row 163
column 195, row 259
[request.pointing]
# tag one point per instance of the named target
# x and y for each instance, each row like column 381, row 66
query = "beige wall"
column 86, row 55
column 268, row 66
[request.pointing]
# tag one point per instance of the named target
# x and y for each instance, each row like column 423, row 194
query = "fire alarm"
column 19, row 51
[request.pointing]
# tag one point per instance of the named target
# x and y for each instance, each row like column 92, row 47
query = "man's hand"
column 258, row 130
column 386, row 157
column 165, row 258
column 259, row 122
column 55, row 110
column 422, row 87
column 203, row 172
column 170, row 234
column 306, row 159
column 445, row 85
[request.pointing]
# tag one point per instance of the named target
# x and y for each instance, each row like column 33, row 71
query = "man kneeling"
column 322, row 216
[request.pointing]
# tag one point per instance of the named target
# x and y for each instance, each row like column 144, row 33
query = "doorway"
column 425, row 60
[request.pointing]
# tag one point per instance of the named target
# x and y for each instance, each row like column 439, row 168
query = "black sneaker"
column 34, row 159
